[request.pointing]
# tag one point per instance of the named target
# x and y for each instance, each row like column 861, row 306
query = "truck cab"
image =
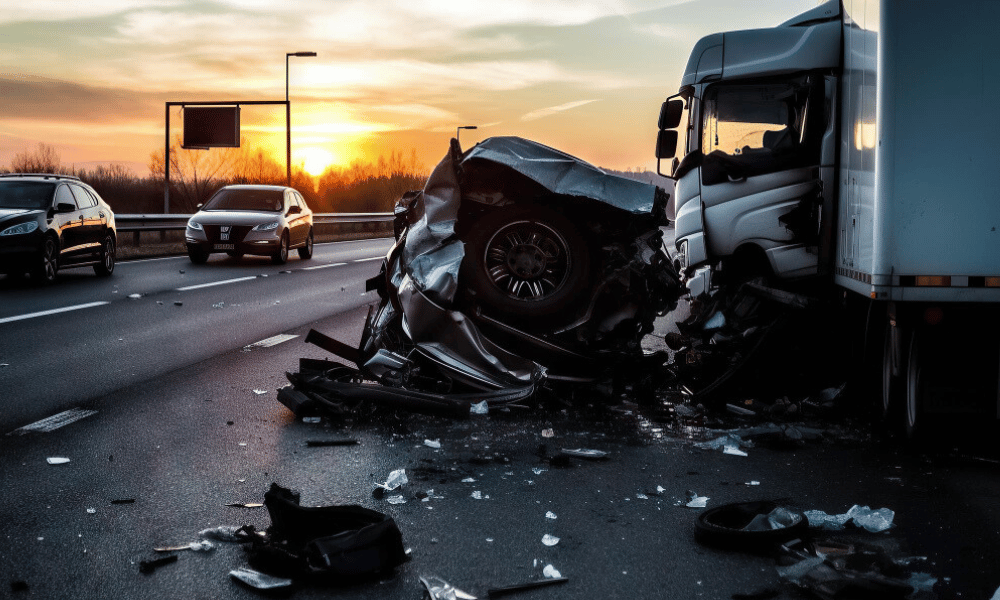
column 756, row 121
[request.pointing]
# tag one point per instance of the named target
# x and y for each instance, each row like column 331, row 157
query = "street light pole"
column 458, row 133
column 288, row 120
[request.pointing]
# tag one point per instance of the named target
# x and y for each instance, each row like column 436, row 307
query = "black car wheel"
column 526, row 263
column 307, row 250
column 48, row 266
column 198, row 257
column 107, row 265
column 281, row 256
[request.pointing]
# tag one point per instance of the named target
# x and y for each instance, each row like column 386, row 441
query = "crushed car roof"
column 564, row 174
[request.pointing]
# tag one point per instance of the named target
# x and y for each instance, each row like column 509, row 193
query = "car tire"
column 722, row 527
column 47, row 268
column 198, row 257
column 528, row 263
column 108, row 256
column 281, row 256
column 306, row 251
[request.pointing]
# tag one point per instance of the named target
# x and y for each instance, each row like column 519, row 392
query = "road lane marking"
column 323, row 266
column 368, row 259
column 55, row 421
column 54, row 311
column 214, row 283
column 273, row 341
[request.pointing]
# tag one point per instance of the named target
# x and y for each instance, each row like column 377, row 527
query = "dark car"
column 51, row 222
column 266, row 220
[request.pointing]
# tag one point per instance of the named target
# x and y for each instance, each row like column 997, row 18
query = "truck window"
column 759, row 128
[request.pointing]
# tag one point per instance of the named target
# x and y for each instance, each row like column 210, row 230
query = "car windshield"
column 247, row 199
column 26, row 194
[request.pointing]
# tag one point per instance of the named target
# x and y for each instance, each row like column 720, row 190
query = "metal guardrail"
column 137, row 224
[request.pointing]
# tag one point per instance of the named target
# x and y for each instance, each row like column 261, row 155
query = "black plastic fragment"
column 764, row 594
column 321, row 443
column 520, row 587
column 334, row 347
column 148, row 566
column 297, row 402
column 123, row 501
column 19, row 586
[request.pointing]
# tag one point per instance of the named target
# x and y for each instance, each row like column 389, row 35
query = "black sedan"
column 266, row 220
column 50, row 222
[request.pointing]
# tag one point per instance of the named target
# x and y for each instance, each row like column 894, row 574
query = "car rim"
column 527, row 261
column 109, row 255
column 50, row 259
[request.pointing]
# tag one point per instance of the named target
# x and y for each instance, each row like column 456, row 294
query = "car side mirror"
column 65, row 207
column 294, row 210
column 199, row 205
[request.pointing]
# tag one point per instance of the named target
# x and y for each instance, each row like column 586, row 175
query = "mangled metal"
column 516, row 263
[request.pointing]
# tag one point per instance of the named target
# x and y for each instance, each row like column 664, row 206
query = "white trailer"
column 857, row 143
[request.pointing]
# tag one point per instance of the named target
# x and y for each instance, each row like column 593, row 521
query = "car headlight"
column 20, row 228
column 195, row 225
column 267, row 226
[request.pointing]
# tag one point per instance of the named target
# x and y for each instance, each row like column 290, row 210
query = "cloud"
column 22, row 11
column 545, row 112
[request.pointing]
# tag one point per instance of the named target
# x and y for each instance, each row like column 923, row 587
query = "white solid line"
column 214, row 283
column 51, row 312
column 144, row 260
column 368, row 259
column 323, row 266
column 273, row 341
column 55, row 421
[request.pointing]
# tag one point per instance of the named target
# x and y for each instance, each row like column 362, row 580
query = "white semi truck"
column 857, row 144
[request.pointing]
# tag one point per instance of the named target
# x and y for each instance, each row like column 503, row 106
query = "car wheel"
column 48, row 267
column 281, row 256
column 198, row 257
column 307, row 250
column 107, row 265
column 526, row 263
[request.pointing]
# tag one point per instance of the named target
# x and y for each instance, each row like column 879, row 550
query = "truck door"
column 760, row 172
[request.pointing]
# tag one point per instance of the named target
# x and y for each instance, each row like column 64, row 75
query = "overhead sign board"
column 211, row 127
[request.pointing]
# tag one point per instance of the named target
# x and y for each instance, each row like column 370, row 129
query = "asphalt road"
column 184, row 441
column 106, row 338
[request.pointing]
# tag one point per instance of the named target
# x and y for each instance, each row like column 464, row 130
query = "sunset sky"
column 586, row 76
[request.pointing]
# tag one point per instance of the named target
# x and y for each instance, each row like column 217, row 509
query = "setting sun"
column 316, row 160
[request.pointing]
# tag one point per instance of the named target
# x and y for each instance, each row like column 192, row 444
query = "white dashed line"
column 214, row 283
column 55, row 421
column 368, row 259
column 54, row 311
column 273, row 341
column 323, row 266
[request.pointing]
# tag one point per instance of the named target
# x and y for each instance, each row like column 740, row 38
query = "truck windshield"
column 26, row 194
column 753, row 119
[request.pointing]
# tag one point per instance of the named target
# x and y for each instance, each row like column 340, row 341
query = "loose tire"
column 281, row 256
column 307, row 250
column 722, row 526
column 107, row 265
column 526, row 263
column 198, row 257
column 47, row 268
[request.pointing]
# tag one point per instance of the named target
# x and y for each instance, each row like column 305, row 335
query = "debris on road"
column 520, row 587
column 57, row 460
column 321, row 443
column 227, row 533
column 260, row 392
column 550, row 540
column 759, row 526
column 135, row 296
column 584, row 453
column 696, row 501
column 258, row 580
column 19, row 586
column 873, row 521
column 333, row 544
column 436, row 444
column 245, row 504
column 439, row 589
column 148, row 566
column 551, row 572
column 124, row 501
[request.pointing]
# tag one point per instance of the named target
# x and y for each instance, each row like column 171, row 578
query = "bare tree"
column 43, row 159
column 194, row 174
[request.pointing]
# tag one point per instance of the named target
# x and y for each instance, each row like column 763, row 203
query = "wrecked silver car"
column 517, row 260
column 516, row 263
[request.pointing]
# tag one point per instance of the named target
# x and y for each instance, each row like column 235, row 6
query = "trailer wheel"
column 893, row 385
column 916, row 388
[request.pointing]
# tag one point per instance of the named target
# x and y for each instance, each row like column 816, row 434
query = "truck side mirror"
column 670, row 114
column 666, row 143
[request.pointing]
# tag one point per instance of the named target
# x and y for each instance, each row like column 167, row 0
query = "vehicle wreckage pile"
column 516, row 265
